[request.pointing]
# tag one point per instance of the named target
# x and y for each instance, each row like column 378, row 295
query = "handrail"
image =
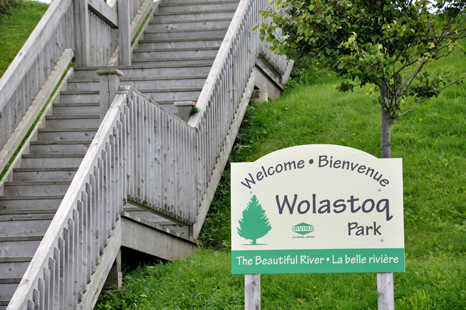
column 55, row 32
column 84, row 223
column 223, row 90
column 27, row 73
column 240, row 30
column 131, row 159
column 126, row 161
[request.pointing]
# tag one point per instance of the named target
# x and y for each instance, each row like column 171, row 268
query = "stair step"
column 29, row 204
column 18, row 212
column 207, row 53
column 144, row 83
column 167, row 9
column 156, row 44
column 175, row 95
column 19, row 249
column 15, row 259
column 191, row 24
column 87, row 108
column 72, row 121
column 12, row 270
column 155, row 70
column 67, row 134
column 10, row 280
column 44, row 174
column 192, row 16
column 79, row 96
column 171, row 51
column 191, row 39
column 51, row 160
column 21, row 238
column 59, row 147
column 197, row 19
column 197, row 1
column 184, row 34
column 36, row 188
column 187, row 61
column 6, row 293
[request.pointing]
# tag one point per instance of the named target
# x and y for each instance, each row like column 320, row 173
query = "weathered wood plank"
column 385, row 291
column 222, row 159
column 124, row 33
column 104, row 12
column 82, row 33
column 252, row 292
column 39, row 102
column 170, row 245
column 89, row 298
column 31, row 49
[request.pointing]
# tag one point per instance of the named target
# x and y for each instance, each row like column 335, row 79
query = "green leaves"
column 370, row 41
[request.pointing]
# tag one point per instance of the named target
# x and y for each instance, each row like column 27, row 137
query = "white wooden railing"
column 220, row 99
column 87, row 27
column 145, row 154
column 27, row 73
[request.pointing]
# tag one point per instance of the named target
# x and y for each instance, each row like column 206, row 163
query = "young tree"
column 255, row 223
column 386, row 43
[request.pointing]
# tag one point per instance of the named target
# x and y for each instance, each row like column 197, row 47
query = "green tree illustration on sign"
column 255, row 223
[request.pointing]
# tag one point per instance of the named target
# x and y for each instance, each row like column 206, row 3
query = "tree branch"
column 410, row 79
column 421, row 101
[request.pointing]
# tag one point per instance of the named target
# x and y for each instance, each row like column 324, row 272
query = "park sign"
column 317, row 209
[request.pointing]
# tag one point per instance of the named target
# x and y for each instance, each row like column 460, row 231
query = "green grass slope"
column 431, row 140
column 15, row 28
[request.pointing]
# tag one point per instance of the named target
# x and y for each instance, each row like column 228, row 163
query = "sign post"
column 317, row 209
column 252, row 291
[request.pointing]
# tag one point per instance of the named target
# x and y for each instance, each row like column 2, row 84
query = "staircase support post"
column 124, row 33
column 115, row 278
column 184, row 107
column 81, row 26
column 109, row 80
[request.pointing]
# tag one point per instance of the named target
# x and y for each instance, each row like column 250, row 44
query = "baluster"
column 67, row 275
column 47, row 289
column 100, row 208
column 81, row 18
column 76, row 254
column 158, row 159
column 82, row 258
column 58, row 278
column 124, row 32
column 105, row 195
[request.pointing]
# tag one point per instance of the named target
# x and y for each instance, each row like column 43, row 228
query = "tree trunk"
column 385, row 291
column 386, row 121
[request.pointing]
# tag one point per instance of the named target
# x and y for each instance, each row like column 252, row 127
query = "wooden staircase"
column 171, row 64
column 162, row 163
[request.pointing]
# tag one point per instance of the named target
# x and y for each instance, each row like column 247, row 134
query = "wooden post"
column 124, row 33
column 385, row 293
column 252, row 292
column 115, row 278
column 183, row 108
column 81, row 26
column 109, row 83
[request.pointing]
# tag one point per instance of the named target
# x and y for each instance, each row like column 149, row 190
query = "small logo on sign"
column 303, row 229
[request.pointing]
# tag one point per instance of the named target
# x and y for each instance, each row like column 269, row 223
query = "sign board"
column 317, row 209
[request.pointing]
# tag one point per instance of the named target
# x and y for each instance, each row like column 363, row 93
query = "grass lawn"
column 16, row 28
column 432, row 142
